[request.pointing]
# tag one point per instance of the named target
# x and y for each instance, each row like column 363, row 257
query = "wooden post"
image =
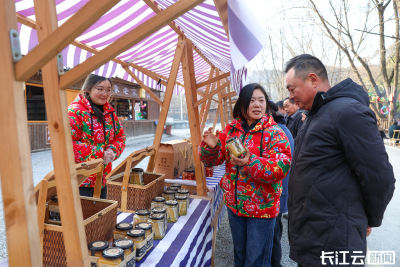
column 167, row 100
column 15, row 162
column 226, row 116
column 206, row 92
column 220, row 104
column 216, row 117
column 61, row 144
column 203, row 122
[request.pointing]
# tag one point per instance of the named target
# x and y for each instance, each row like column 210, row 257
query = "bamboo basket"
column 131, row 197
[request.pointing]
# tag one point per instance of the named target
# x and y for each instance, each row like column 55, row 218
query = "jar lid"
column 169, row 192
column 136, row 232
column 142, row 212
column 137, row 170
column 159, row 199
column 98, row 245
column 174, row 188
column 176, row 185
column 183, row 191
column 189, row 170
column 171, row 202
column 157, row 216
column 124, row 226
column 144, row 226
column 231, row 139
column 159, row 210
column 181, row 197
column 123, row 243
column 54, row 198
column 113, row 253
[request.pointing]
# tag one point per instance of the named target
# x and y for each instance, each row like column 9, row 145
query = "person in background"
column 251, row 184
column 341, row 180
column 277, row 248
column 293, row 121
column 282, row 109
column 381, row 130
column 392, row 128
column 96, row 131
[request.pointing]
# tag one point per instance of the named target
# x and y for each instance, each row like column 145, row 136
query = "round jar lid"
column 124, row 226
column 123, row 243
column 113, row 253
column 136, row 232
column 181, row 197
column 142, row 212
column 171, row 202
column 159, row 199
column 144, row 226
column 98, row 245
column 137, row 170
column 231, row 139
column 169, row 192
column 157, row 216
column 183, row 191
column 174, row 188
column 54, row 198
column 189, row 170
column 176, row 185
column 159, row 210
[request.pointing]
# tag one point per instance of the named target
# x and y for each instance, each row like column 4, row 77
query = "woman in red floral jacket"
column 251, row 184
column 96, row 130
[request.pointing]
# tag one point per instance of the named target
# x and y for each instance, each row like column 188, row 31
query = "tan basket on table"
column 131, row 197
column 99, row 215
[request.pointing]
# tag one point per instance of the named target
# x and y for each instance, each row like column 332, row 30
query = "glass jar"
column 111, row 257
column 136, row 176
column 126, row 244
column 140, row 216
column 188, row 174
column 172, row 210
column 235, row 146
column 169, row 194
column 182, row 205
column 185, row 192
column 136, row 235
column 209, row 171
column 121, row 229
column 147, row 227
column 157, row 221
column 177, row 185
column 158, row 202
column 96, row 248
column 164, row 212
column 53, row 211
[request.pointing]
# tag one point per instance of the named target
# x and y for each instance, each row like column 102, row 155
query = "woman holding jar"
column 252, row 183
column 96, row 130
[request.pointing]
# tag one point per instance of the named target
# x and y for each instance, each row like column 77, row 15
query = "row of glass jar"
column 114, row 256
column 190, row 173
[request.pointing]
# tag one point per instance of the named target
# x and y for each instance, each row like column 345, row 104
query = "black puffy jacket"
column 341, row 179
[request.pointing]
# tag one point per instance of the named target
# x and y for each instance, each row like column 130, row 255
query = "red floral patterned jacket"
column 254, row 189
column 88, row 135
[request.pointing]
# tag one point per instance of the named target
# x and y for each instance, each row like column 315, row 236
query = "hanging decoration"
column 385, row 110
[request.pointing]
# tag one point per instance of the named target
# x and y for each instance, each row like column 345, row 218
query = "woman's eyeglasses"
column 103, row 91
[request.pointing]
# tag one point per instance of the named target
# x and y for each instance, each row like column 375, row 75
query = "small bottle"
column 157, row 221
column 158, row 202
column 185, row 192
column 172, row 210
column 169, row 195
column 96, row 248
column 121, row 229
column 128, row 246
column 147, row 227
column 136, row 235
column 182, row 205
column 235, row 147
column 188, row 174
column 209, row 171
column 136, row 176
column 111, row 257
column 53, row 211
column 141, row 216
column 164, row 212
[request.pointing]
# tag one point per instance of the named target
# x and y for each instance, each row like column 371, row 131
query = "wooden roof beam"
column 213, row 80
column 211, row 94
column 222, row 8
column 227, row 95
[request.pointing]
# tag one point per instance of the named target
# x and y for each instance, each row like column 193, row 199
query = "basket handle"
column 99, row 182
column 124, row 188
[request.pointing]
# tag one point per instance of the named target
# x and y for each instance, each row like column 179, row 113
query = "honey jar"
column 147, row 227
column 157, row 221
column 188, row 174
column 169, row 194
column 172, row 210
column 182, row 205
column 128, row 246
column 158, row 202
column 96, row 247
column 184, row 192
column 136, row 235
column 164, row 212
column 121, row 229
column 53, row 211
column 177, row 185
column 209, row 171
column 136, row 176
column 140, row 216
column 111, row 257
column 235, row 146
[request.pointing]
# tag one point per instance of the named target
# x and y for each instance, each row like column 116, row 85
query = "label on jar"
column 93, row 261
column 117, row 236
column 149, row 241
column 130, row 260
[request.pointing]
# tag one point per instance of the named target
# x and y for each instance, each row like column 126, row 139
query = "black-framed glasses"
column 103, row 91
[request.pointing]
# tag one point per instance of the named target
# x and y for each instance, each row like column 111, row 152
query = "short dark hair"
column 395, row 123
column 290, row 100
column 243, row 102
column 279, row 104
column 305, row 64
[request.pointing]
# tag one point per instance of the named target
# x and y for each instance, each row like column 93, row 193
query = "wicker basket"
column 131, row 197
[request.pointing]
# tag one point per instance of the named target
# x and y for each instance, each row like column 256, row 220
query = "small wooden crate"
column 131, row 197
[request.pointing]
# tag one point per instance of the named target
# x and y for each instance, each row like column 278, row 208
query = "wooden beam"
column 218, row 90
column 210, row 75
column 201, row 93
column 128, row 40
column 167, row 100
column 216, row 118
column 61, row 37
column 222, row 8
column 143, row 85
column 20, row 216
column 61, row 144
column 227, row 95
column 220, row 104
column 41, row 211
column 206, row 112
column 215, row 79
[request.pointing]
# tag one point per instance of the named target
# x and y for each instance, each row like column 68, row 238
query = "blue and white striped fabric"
column 188, row 242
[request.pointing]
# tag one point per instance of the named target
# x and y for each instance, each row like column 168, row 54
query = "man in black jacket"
column 341, row 180
column 293, row 121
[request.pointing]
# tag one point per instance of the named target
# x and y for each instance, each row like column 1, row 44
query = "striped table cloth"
column 188, row 242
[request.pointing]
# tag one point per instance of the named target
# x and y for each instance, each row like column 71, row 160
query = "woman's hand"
column 243, row 161
column 209, row 138
column 108, row 156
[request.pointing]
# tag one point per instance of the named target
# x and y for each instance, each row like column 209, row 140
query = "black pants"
column 383, row 135
column 88, row 192
column 276, row 247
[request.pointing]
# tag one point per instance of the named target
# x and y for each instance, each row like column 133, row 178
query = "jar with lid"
column 53, row 211
column 169, row 194
column 188, row 174
column 158, row 202
column 140, row 216
column 175, row 189
column 164, row 212
column 121, row 229
column 128, row 246
column 111, row 257
column 147, row 227
column 136, row 235
column 235, row 147
column 177, row 185
column 136, row 176
column 157, row 221
column 185, row 192
column 209, row 171
column 96, row 247
column 182, row 205
column 172, row 210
